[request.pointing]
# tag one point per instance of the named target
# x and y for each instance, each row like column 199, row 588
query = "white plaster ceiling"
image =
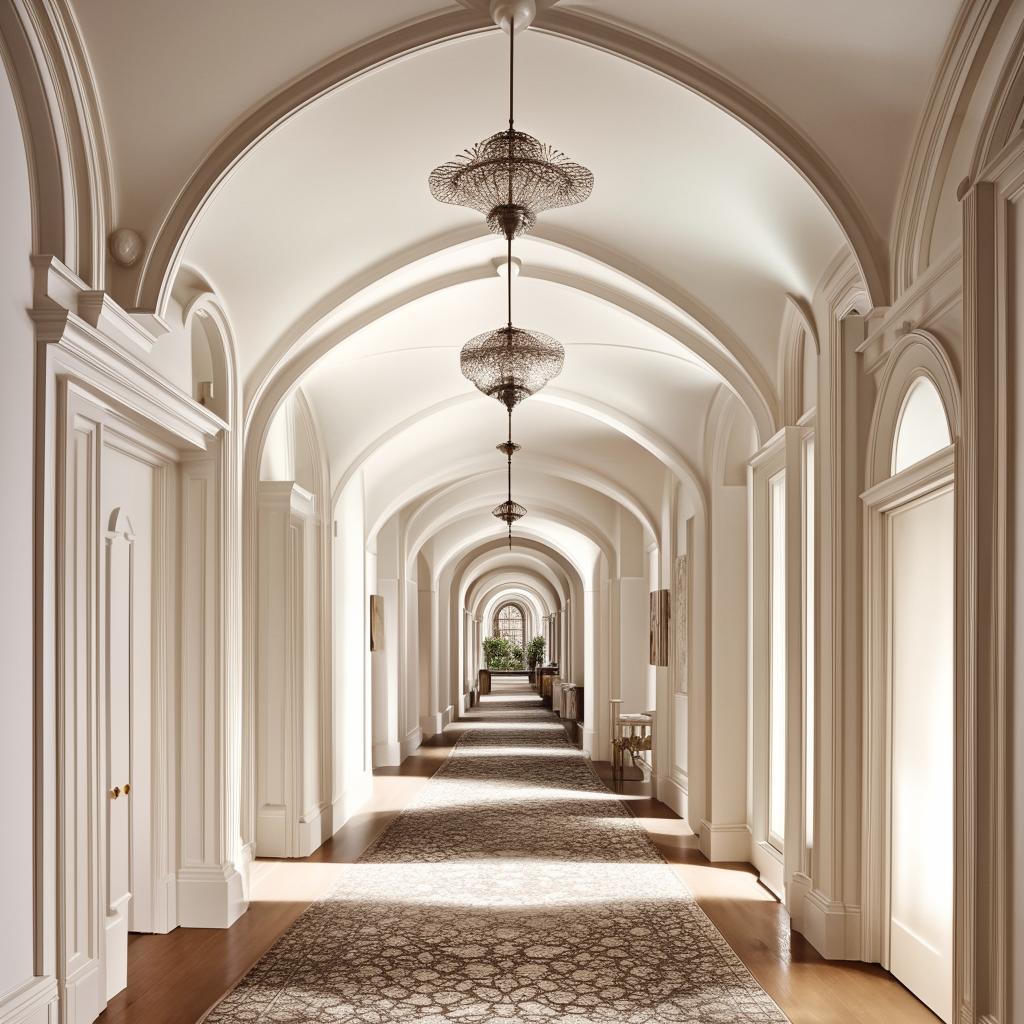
column 341, row 187
column 674, row 273
column 852, row 77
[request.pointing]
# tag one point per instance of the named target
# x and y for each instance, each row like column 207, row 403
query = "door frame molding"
column 928, row 478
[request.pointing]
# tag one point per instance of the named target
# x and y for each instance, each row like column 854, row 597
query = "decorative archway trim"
column 152, row 287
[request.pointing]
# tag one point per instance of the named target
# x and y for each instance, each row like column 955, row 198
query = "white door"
column 921, row 627
column 128, row 487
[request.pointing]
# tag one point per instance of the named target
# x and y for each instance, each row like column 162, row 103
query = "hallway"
column 512, row 886
column 516, row 888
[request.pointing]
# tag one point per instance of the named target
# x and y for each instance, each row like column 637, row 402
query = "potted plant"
column 535, row 652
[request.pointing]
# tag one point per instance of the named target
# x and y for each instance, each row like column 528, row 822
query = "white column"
column 210, row 886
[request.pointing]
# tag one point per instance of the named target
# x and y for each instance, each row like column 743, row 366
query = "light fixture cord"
column 510, row 478
column 511, row 94
column 511, row 69
column 508, row 265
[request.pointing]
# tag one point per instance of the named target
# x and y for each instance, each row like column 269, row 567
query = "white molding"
column 670, row 792
column 929, row 477
column 432, row 724
column 210, row 897
column 726, row 842
column 770, row 866
column 34, row 1002
column 412, row 742
column 831, row 928
column 387, row 754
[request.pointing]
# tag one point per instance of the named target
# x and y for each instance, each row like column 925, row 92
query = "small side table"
column 631, row 734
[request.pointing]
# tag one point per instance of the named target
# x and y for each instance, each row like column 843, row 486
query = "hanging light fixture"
column 509, row 511
column 510, row 178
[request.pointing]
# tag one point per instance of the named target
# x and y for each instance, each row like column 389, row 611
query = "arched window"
column 508, row 622
column 922, row 428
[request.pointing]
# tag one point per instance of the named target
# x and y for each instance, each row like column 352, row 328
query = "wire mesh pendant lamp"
column 509, row 511
column 510, row 177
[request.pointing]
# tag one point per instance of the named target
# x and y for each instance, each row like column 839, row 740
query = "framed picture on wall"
column 376, row 622
column 661, row 613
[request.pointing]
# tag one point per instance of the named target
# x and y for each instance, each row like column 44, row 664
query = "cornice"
column 936, row 134
column 90, row 332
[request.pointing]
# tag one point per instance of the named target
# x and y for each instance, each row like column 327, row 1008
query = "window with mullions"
column 508, row 622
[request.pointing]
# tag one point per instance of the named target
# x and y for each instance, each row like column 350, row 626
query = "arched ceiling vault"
column 479, row 485
column 519, row 593
column 461, row 559
column 305, row 205
column 498, row 581
column 533, row 559
column 169, row 186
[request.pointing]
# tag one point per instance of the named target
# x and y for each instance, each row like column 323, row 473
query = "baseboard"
column 212, row 897
column 314, row 831
column 34, row 1002
column 412, row 742
column 768, row 862
column 431, row 725
column 353, row 797
column 447, row 716
column 387, row 755
column 725, row 842
column 588, row 742
column 165, row 905
column 797, row 891
column 669, row 792
column 832, row 928
column 246, row 855
column 115, row 926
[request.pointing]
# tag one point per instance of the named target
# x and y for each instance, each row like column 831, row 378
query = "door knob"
column 115, row 792
column 127, row 788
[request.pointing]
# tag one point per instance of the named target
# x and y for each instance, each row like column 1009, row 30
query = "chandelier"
column 509, row 511
column 510, row 178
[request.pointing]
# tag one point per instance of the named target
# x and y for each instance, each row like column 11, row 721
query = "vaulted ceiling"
column 342, row 275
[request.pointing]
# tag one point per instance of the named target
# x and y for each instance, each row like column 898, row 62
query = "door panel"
column 921, row 631
column 127, row 490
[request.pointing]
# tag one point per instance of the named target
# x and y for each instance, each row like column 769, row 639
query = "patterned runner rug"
column 517, row 889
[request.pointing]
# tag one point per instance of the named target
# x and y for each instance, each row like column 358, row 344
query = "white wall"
column 16, row 517
column 351, row 695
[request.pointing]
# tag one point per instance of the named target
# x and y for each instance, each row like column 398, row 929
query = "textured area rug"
column 515, row 890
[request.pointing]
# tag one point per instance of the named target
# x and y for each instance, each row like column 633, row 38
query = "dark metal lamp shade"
column 510, row 178
column 511, row 364
column 509, row 512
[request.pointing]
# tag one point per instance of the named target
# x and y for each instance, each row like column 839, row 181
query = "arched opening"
column 510, row 624
column 922, row 427
column 911, row 737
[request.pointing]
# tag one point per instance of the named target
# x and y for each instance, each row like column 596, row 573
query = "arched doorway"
column 911, row 604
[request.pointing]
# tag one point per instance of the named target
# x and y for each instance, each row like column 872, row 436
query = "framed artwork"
column 376, row 622
column 661, row 613
column 680, row 619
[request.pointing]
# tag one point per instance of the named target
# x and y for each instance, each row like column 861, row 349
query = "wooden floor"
column 175, row 978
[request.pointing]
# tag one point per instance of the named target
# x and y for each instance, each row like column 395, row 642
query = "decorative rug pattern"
column 517, row 889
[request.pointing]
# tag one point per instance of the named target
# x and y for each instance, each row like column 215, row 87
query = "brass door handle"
column 127, row 788
column 115, row 792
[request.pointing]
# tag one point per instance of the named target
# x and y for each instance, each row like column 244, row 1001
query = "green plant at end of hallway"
column 535, row 651
column 501, row 655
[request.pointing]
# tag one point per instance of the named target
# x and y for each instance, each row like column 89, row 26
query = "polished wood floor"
column 175, row 978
